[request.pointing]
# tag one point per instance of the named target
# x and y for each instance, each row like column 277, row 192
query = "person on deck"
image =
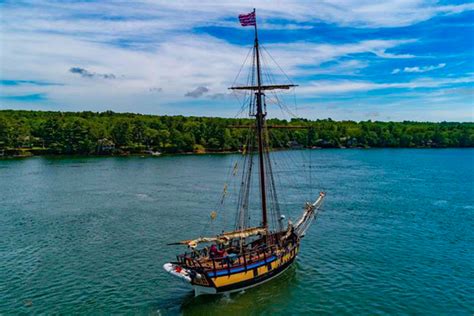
column 213, row 252
column 221, row 252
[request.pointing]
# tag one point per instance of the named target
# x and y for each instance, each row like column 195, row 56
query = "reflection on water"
column 267, row 297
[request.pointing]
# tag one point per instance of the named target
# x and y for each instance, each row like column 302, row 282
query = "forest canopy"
column 87, row 133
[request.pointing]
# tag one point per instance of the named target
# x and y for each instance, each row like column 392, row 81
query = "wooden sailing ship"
column 249, row 255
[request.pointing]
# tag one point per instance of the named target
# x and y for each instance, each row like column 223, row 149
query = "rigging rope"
column 243, row 216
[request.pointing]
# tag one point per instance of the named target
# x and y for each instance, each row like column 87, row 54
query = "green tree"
column 121, row 133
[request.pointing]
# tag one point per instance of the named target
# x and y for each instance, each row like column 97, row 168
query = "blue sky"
column 397, row 60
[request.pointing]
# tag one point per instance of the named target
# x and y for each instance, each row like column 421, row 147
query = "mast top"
column 250, row 19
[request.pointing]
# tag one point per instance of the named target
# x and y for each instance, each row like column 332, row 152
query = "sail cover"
column 225, row 237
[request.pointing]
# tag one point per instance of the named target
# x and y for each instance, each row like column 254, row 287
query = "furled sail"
column 310, row 212
column 225, row 237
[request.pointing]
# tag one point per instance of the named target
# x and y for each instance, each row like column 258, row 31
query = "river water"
column 89, row 235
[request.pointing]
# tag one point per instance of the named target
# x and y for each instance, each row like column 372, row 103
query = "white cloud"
column 292, row 56
column 395, row 13
column 405, row 105
column 424, row 69
column 418, row 69
column 177, row 66
column 150, row 44
column 164, row 16
column 341, row 67
column 346, row 86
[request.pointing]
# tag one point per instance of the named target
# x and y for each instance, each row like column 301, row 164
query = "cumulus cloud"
column 198, row 92
column 87, row 74
column 162, row 46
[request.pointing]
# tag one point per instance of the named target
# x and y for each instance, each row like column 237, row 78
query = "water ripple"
column 88, row 236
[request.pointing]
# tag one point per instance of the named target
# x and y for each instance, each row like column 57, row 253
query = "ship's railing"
column 231, row 260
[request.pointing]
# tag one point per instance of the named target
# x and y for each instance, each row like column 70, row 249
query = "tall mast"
column 260, row 116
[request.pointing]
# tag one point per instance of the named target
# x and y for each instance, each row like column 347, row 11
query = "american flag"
column 247, row 19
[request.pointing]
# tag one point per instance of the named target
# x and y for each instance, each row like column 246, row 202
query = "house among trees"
column 293, row 144
column 105, row 146
column 85, row 133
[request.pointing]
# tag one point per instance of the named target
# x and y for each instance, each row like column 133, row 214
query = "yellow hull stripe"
column 249, row 274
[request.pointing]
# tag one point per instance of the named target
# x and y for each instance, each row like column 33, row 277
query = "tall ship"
column 250, row 254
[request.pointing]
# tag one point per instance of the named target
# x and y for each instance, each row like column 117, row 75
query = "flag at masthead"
column 248, row 19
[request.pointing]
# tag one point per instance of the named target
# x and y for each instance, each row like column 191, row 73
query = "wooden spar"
column 224, row 237
column 265, row 87
column 260, row 116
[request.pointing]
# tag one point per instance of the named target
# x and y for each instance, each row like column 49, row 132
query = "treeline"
column 87, row 133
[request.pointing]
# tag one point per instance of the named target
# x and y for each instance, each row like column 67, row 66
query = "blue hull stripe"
column 240, row 269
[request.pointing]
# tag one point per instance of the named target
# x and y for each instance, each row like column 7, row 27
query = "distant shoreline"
column 146, row 155
column 38, row 133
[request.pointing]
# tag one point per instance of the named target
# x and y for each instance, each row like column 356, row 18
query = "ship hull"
column 233, row 280
column 244, row 285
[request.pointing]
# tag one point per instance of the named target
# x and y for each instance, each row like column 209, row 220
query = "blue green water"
column 88, row 235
